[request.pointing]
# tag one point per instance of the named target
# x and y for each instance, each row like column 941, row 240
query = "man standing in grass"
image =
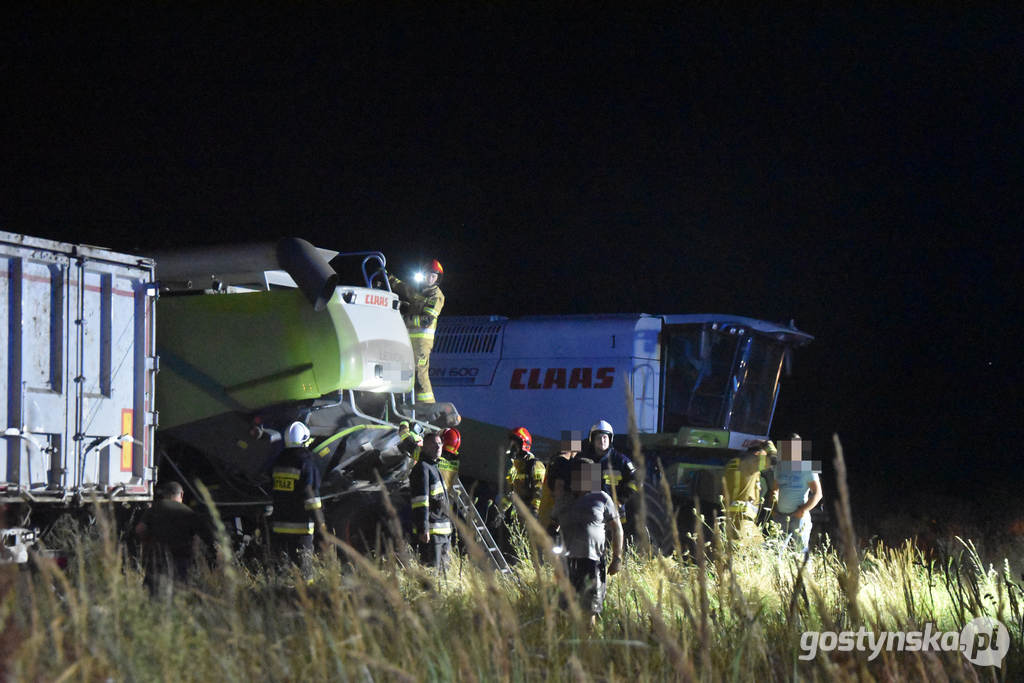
column 584, row 521
column 431, row 525
column 168, row 532
column 558, row 479
column 798, row 490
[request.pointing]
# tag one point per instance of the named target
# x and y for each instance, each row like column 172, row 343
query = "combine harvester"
column 246, row 340
column 703, row 389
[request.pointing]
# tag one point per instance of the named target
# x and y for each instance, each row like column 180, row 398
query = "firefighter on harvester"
column 297, row 508
column 618, row 473
column 431, row 525
column 422, row 304
column 526, row 476
column 448, row 463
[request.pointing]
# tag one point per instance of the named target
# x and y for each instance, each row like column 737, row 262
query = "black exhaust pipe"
column 311, row 272
column 245, row 263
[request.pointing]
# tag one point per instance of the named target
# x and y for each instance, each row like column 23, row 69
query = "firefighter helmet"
column 452, row 439
column 435, row 267
column 297, row 435
column 602, row 426
column 522, row 434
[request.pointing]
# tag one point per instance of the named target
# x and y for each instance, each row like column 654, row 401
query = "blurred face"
column 587, row 478
column 430, row 278
column 431, row 446
column 790, row 451
column 571, row 441
column 601, row 441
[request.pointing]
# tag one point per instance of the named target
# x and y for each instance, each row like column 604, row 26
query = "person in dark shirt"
column 168, row 531
column 588, row 518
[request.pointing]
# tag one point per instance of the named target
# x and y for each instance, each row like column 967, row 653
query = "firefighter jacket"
column 409, row 442
column 741, row 485
column 295, row 477
column 429, row 500
column 449, row 469
column 618, row 473
column 423, row 306
column 526, row 479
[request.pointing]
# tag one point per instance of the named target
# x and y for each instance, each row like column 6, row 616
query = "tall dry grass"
column 733, row 613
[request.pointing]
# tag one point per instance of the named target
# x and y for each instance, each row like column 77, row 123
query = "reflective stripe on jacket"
column 429, row 500
column 618, row 473
column 423, row 306
column 526, row 479
column 294, row 473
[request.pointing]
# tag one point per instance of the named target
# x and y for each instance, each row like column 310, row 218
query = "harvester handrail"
column 359, row 413
column 369, row 256
column 411, row 419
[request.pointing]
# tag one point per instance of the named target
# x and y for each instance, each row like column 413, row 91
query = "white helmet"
column 602, row 426
column 297, row 435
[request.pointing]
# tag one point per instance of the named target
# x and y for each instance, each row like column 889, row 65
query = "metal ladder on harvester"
column 469, row 513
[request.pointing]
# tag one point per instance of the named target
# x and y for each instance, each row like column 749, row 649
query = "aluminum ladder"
column 468, row 512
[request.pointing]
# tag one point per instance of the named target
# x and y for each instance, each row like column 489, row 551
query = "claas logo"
column 562, row 378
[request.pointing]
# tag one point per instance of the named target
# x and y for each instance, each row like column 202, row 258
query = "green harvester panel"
column 241, row 352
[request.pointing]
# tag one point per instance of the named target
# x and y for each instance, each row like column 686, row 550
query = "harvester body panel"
column 243, row 352
column 700, row 387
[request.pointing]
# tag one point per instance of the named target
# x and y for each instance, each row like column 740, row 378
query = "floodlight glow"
column 418, row 277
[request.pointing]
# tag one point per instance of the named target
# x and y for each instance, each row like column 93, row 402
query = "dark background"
column 859, row 172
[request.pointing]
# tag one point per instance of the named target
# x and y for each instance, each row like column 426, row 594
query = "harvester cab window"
column 717, row 379
column 697, row 370
column 758, row 365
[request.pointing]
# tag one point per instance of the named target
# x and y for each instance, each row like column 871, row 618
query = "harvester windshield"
column 720, row 377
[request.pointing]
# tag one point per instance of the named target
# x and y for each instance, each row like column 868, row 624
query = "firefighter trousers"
column 436, row 552
column 294, row 549
column 421, row 347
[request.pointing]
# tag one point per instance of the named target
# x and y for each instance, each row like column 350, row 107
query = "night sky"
column 859, row 172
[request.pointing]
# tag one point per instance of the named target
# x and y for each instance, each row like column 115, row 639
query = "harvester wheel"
column 658, row 526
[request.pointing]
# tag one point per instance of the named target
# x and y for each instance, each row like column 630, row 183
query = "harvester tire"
column 658, row 522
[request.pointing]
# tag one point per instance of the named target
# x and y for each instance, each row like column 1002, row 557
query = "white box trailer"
column 77, row 351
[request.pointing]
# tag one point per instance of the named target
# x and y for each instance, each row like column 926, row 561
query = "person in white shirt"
column 797, row 488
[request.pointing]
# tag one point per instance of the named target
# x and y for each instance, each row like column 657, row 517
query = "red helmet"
column 452, row 439
column 523, row 434
column 435, row 267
